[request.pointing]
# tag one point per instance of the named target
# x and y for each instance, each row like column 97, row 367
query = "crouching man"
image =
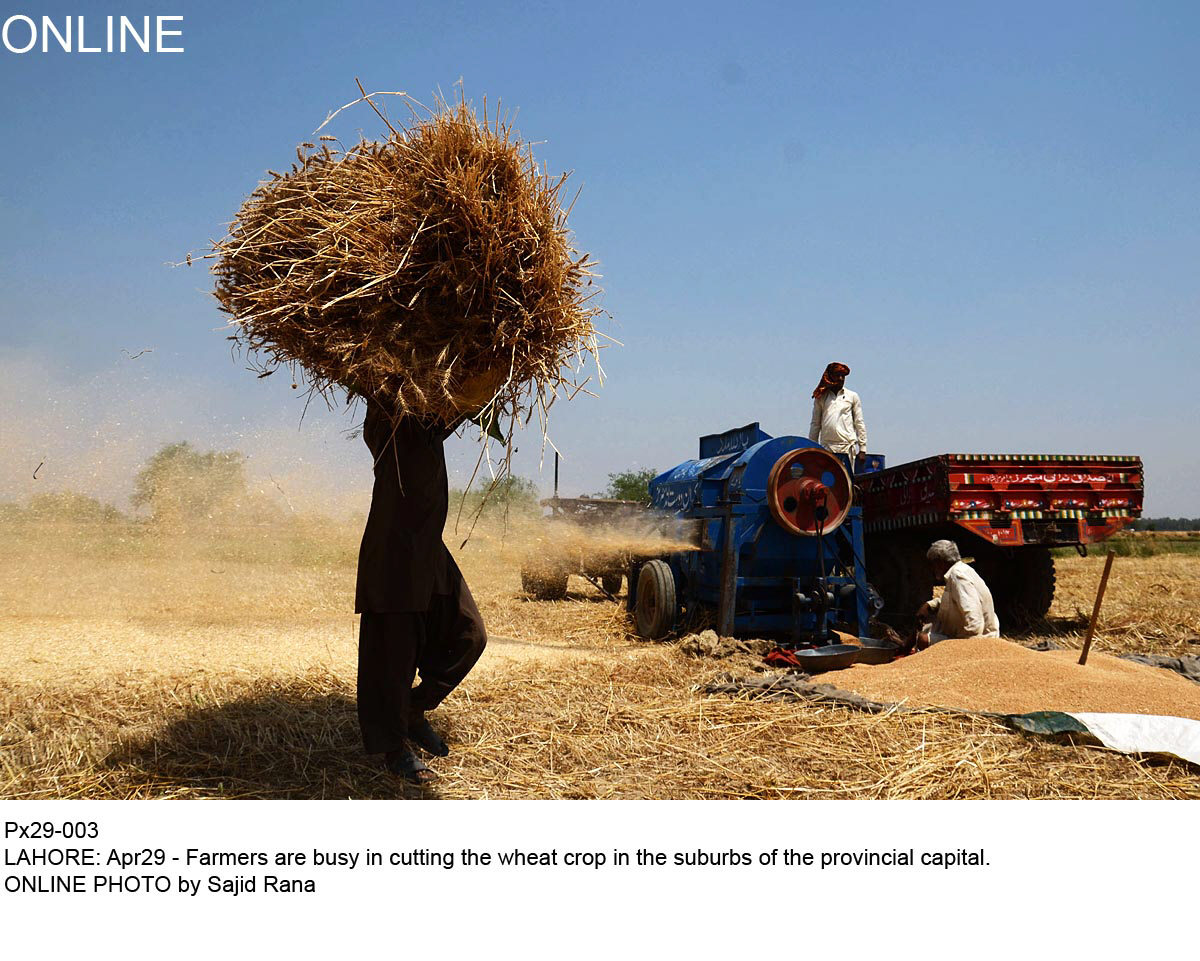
column 965, row 608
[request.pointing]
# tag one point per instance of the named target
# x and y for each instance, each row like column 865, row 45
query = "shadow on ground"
column 1057, row 626
column 277, row 744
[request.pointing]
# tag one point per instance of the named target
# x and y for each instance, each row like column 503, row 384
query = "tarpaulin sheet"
column 1127, row 733
column 1188, row 665
column 1145, row 734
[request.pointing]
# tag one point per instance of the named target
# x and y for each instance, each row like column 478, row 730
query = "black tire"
column 1027, row 589
column 655, row 611
column 545, row 585
column 611, row 583
column 899, row 571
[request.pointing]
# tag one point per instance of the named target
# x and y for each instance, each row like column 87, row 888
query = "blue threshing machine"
column 777, row 543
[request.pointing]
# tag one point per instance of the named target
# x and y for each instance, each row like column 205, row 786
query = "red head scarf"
column 831, row 379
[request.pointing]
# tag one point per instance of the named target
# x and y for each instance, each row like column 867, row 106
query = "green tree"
column 1167, row 524
column 631, row 485
column 73, row 507
column 509, row 494
column 180, row 484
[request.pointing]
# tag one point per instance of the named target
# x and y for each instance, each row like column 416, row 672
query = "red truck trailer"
column 1007, row 511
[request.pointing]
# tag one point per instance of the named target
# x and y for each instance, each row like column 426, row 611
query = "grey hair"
column 945, row 552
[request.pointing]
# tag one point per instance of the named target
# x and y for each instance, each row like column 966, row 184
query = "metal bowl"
column 875, row 651
column 832, row 657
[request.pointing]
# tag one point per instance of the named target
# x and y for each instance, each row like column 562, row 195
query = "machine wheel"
column 898, row 569
column 655, row 612
column 545, row 584
column 611, row 583
column 803, row 480
column 1025, row 589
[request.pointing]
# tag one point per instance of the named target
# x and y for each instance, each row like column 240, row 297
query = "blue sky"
column 991, row 212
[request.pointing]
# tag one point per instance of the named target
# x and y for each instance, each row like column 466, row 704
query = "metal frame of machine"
column 766, row 564
column 779, row 546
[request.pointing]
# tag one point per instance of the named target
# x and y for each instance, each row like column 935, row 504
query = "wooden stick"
column 1087, row 643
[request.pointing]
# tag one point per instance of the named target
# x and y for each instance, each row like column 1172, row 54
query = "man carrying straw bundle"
column 432, row 274
column 417, row 612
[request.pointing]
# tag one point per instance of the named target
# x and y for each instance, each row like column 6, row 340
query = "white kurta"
column 837, row 422
column 965, row 608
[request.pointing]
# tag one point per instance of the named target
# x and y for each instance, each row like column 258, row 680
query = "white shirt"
column 837, row 422
column 965, row 608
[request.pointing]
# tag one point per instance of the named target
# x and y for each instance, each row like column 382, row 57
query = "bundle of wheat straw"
column 432, row 270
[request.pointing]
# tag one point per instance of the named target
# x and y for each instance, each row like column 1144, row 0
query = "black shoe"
column 405, row 764
column 422, row 734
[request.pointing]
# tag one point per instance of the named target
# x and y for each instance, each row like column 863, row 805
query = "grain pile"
column 432, row 271
column 990, row 674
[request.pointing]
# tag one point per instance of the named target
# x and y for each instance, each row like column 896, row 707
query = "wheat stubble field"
column 143, row 664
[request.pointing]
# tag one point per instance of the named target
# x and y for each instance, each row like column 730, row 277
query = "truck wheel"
column 1028, row 589
column 899, row 573
column 611, row 583
column 544, row 584
column 655, row 613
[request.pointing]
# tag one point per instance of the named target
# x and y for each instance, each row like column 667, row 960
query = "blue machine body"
column 762, row 579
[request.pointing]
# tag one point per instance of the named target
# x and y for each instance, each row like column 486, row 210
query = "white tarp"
column 1145, row 733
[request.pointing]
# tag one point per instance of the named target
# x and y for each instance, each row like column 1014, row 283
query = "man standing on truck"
column 965, row 608
column 837, row 420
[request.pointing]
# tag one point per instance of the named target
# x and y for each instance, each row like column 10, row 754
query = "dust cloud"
column 92, row 436
column 105, row 515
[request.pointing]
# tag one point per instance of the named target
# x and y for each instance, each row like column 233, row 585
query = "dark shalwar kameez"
column 417, row 613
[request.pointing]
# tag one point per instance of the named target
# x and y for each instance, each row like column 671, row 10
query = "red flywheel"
column 803, row 480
